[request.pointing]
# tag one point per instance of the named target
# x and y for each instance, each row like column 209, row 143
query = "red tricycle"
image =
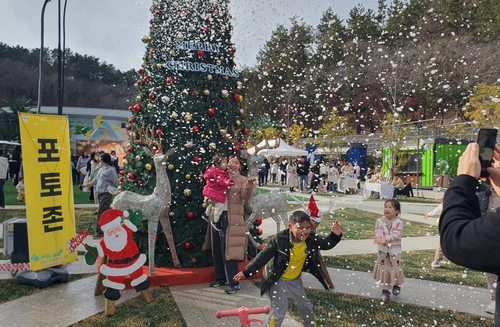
column 243, row 313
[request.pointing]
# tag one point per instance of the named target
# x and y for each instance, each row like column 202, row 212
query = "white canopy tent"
column 282, row 150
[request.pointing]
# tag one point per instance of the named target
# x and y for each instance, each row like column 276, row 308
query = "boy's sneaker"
column 386, row 296
column 217, row 283
column 436, row 264
column 396, row 290
column 491, row 308
column 233, row 288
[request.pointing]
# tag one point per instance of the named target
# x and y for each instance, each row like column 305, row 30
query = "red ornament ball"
column 245, row 131
column 211, row 111
column 131, row 176
column 139, row 82
column 152, row 50
column 146, row 78
column 131, row 120
column 158, row 12
column 151, row 21
column 236, row 97
column 159, row 132
column 194, row 261
column 231, row 53
column 236, row 148
column 196, row 159
column 258, row 221
column 195, row 129
column 206, row 29
column 188, row 245
column 128, row 127
column 122, row 172
column 152, row 96
column 140, row 71
column 130, row 108
column 200, row 53
column 169, row 80
column 139, row 182
column 120, row 179
column 137, row 108
column 242, row 141
column 130, row 149
column 158, row 151
column 195, row 92
column 260, row 231
column 190, row 215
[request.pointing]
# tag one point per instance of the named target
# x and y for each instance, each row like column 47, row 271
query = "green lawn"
column 11, row 195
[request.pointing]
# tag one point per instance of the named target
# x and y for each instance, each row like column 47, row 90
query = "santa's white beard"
column 117, row 242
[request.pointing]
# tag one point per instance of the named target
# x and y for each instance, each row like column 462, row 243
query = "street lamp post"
column 40, row 64
column 59, row 61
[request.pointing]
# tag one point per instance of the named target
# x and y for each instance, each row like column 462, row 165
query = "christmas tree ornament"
column 169, row 80
column 211, row 111
column 152, row 96
column 242, row 111
column 137, row 158
column 173, row 53
column 225, row 93
column 180, row 36
column 131, row 120
column 128, row 127
column 190, row 215
column 157, row 12
column 196, row 159
column 131, row 176
column 245, row 131
column 137, row 108
column 186, row 192
column 206, row 92
column 145, row 39
column 236, row 97
column 195, row 93
column 188, row 245
column 258, row 221
column 148, row 167
column 200, row 54
column 171, row 214
column 237, row 148
column 140, row 71
column 194, row 261
column 174, row 115
column 130, row 149
column 188, row 117
column 188, row 176
column 150, row 106
column 195, row 129
column 260, row 231
column 209, row 77
column 251, row 227
column 120, row 179
column 136, row 85
column 125, row 162
column 170, row 167
column 122, row 172
column 239, row 85
column 159, row 132
column 230, row 53
column 206, row 29
column 138, row 98
column 165, row 99
column 146, row 78
column 189, row 144
column 139, row 182
column 240, row 98
column 212, row 146
column 238, row 122
column 219, row 62
column 152, row 50
column 151, row 21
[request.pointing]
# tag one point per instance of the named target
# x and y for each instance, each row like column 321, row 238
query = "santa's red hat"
column 313, row 210
column 111, row 218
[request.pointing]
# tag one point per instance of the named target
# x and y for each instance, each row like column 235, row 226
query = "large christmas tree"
column 190, row 94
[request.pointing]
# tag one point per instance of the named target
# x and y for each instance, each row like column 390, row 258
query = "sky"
column 111, row 30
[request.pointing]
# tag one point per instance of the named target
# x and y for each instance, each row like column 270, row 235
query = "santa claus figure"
column 124, row 258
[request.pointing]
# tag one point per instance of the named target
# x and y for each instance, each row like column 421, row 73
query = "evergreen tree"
column 190, row 94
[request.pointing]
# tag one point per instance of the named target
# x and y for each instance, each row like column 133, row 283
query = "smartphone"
column 486, row 138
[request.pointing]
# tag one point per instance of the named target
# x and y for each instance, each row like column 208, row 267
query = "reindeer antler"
column 146, row 136
column 267, row 146
column 234, row 139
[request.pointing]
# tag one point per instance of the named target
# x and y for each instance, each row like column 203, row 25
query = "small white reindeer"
column 154, row 206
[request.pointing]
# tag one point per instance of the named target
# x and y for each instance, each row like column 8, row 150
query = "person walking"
column 303, row 173
column 292, row 179
column 229, row 243
column 81, row 166
column 4, row 170
column 285, row 256
column 388, row 269
column 105, row 178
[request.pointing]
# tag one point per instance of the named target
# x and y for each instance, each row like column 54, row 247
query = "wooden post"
column 99, row 288
column 109, row 307
column 146, row 294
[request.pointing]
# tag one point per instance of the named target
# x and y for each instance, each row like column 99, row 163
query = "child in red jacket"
column 217, row 183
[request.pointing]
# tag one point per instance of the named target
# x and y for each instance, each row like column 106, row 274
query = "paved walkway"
column 198, row 303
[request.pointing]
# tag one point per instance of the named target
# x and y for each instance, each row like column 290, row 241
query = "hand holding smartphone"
column 486, row 138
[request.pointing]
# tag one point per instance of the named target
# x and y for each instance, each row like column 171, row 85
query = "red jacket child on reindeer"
column 123, row 254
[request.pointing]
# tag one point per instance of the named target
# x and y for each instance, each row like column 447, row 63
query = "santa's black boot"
column 112, row 294
column 143, row 286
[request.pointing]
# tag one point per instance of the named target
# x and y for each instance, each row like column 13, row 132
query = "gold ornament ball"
column 219, row 62
column 225, row 77
column 251, row 227
column 148, row 166
column 137, row 158
column 238, row 123
column 206, row 92
column 159, row 66
column 170, row 167
column 204, row 205
column 180, row 36
column 242, row 112
column 138, row 98
column 174, row 115
column 165, row 99
column 171, row 214
column 188, row 117
column 240, row 99
column 136, row 85
column 150, row 106
column 144, row 39
column 188, row 176
column 209, row 77
column 125, row 162
column 187, row 192
column 172, row 52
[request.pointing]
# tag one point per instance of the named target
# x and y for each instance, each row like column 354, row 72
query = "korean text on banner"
column 48, row 187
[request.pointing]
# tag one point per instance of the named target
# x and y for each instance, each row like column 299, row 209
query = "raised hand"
column 336, row 228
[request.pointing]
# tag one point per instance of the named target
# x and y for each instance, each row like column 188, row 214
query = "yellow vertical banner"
column 49, row 189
